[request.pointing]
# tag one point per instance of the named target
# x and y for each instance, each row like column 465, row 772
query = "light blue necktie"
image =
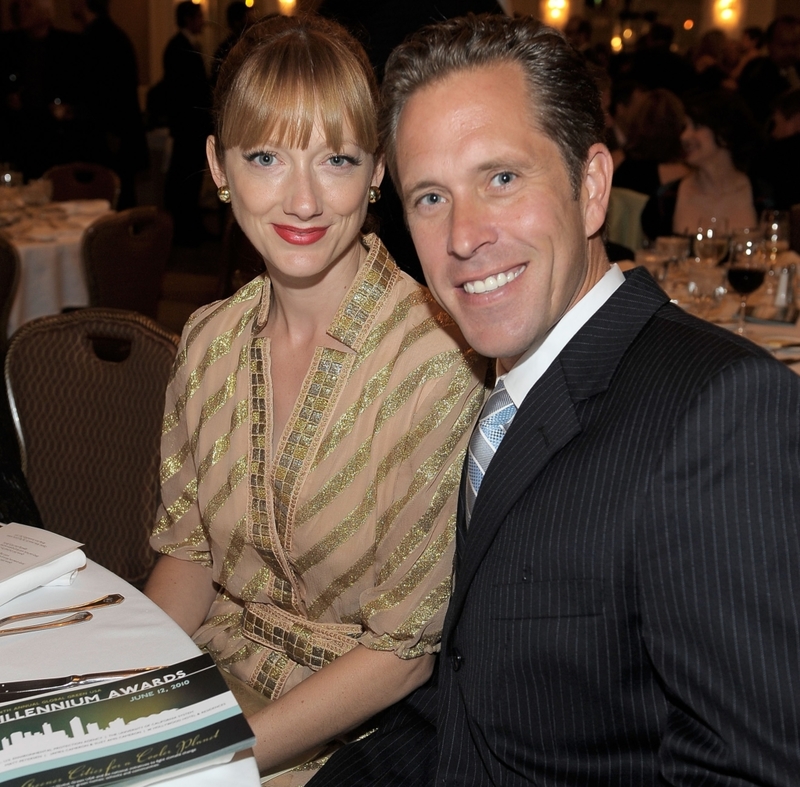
column 496, row 417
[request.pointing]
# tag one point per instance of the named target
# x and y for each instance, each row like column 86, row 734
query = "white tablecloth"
column 48, row 242
column 135, row 633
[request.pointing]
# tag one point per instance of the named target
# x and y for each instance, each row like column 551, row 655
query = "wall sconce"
column 286, row 7
column 555, row 12
column 727, row 13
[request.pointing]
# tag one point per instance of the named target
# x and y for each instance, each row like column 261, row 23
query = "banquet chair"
column 624, row 219
column 83, row 180
column 9, row 276
column 86, row 391
column 124, row 256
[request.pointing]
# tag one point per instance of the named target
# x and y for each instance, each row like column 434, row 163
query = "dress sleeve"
column 178, row 530
column 414, row 538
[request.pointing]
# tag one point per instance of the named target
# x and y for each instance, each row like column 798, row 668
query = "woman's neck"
column 301, row 311
column 718, row 175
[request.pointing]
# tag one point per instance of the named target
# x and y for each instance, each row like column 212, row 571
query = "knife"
column 20, row 689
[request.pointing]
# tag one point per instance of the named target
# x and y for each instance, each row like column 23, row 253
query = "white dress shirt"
column 534, row 363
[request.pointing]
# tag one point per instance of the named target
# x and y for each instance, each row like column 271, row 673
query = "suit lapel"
column 547, row 419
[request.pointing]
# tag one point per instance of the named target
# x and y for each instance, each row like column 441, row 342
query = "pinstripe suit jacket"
column 627, row 600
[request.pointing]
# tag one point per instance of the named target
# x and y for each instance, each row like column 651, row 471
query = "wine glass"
column 746, row 272
column 775, row 226
column 711, row 241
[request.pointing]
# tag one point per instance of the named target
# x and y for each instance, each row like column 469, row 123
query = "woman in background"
column 317, row 420
column 653, row 151
column 718, row 141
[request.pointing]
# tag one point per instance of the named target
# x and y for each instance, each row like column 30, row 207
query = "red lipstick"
column 299, row 236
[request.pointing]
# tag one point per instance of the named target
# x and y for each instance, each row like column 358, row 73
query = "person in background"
column 764, row 78
column 239, row 17
column 653, row 153
column 112, row 90
column 780, row 166
column 750, row 46
column 316, row 423
column 43, row 119
column 187, row 100
column 625, row 609
column 719, row 141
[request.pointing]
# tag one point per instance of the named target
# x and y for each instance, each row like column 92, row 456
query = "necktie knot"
column 495, row 418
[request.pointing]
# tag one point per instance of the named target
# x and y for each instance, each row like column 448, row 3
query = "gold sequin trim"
column 306, row 643
column 271, row 674
column 359, row 308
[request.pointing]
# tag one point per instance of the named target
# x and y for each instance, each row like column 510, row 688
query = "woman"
column 718, row 140
column 653, row 151
column 316, row 424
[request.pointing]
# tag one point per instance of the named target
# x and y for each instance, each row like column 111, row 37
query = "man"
column 625, row 610
column 781, row 158
column 43, row 120
column 112, row 81
column 188, row 104
column 763, row 79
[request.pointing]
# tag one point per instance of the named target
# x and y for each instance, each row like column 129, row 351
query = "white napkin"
column 60, row 571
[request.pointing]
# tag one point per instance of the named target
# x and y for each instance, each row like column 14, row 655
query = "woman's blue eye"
column 340, row 160
column 430, row 199
column 265, row 159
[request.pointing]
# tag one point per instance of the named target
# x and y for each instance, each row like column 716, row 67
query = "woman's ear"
column 378, row 173
column 217, row 172
column 596, row 187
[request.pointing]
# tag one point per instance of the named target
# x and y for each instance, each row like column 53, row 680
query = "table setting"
column 745, row 280
column 47, row 237
column 87, row 630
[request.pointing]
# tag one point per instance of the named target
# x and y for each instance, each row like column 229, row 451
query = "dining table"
column 776, row 330
column 133, row 634
column 47, row 238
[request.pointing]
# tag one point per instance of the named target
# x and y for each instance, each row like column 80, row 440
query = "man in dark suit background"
column 626, row 609
column 187, row 96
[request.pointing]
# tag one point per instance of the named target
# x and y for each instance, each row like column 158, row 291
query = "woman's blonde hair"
column 287, row 72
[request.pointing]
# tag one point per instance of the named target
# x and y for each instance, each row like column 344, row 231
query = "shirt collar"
column 534, row 363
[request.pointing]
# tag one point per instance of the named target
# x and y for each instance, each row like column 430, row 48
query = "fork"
column 105, row 601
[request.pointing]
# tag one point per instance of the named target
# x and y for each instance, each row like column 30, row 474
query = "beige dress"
column 347, row 536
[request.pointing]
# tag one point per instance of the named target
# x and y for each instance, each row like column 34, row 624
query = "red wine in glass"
column 744, row 280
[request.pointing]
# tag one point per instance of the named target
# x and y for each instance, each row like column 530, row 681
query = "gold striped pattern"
column 352, row 523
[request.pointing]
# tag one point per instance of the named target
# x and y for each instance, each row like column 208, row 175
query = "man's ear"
column 596, row 187
column 217, row 173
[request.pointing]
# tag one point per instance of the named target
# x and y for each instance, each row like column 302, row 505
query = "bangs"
column 282, row 89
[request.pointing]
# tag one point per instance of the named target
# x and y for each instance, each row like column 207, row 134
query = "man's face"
column 502, row 241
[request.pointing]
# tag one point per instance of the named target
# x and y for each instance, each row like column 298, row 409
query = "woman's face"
column 302, row 209
column 698, row 142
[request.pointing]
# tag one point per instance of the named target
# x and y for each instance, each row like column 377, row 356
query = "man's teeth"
column 491, row 282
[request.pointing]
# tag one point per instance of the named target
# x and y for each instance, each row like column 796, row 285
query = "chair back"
column 9, row 277
column 86, row 391
column 624, row 219
column 124, row 257
column 83, row 180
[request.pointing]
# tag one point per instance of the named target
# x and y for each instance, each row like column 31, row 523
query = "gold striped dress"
column 347, row 535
